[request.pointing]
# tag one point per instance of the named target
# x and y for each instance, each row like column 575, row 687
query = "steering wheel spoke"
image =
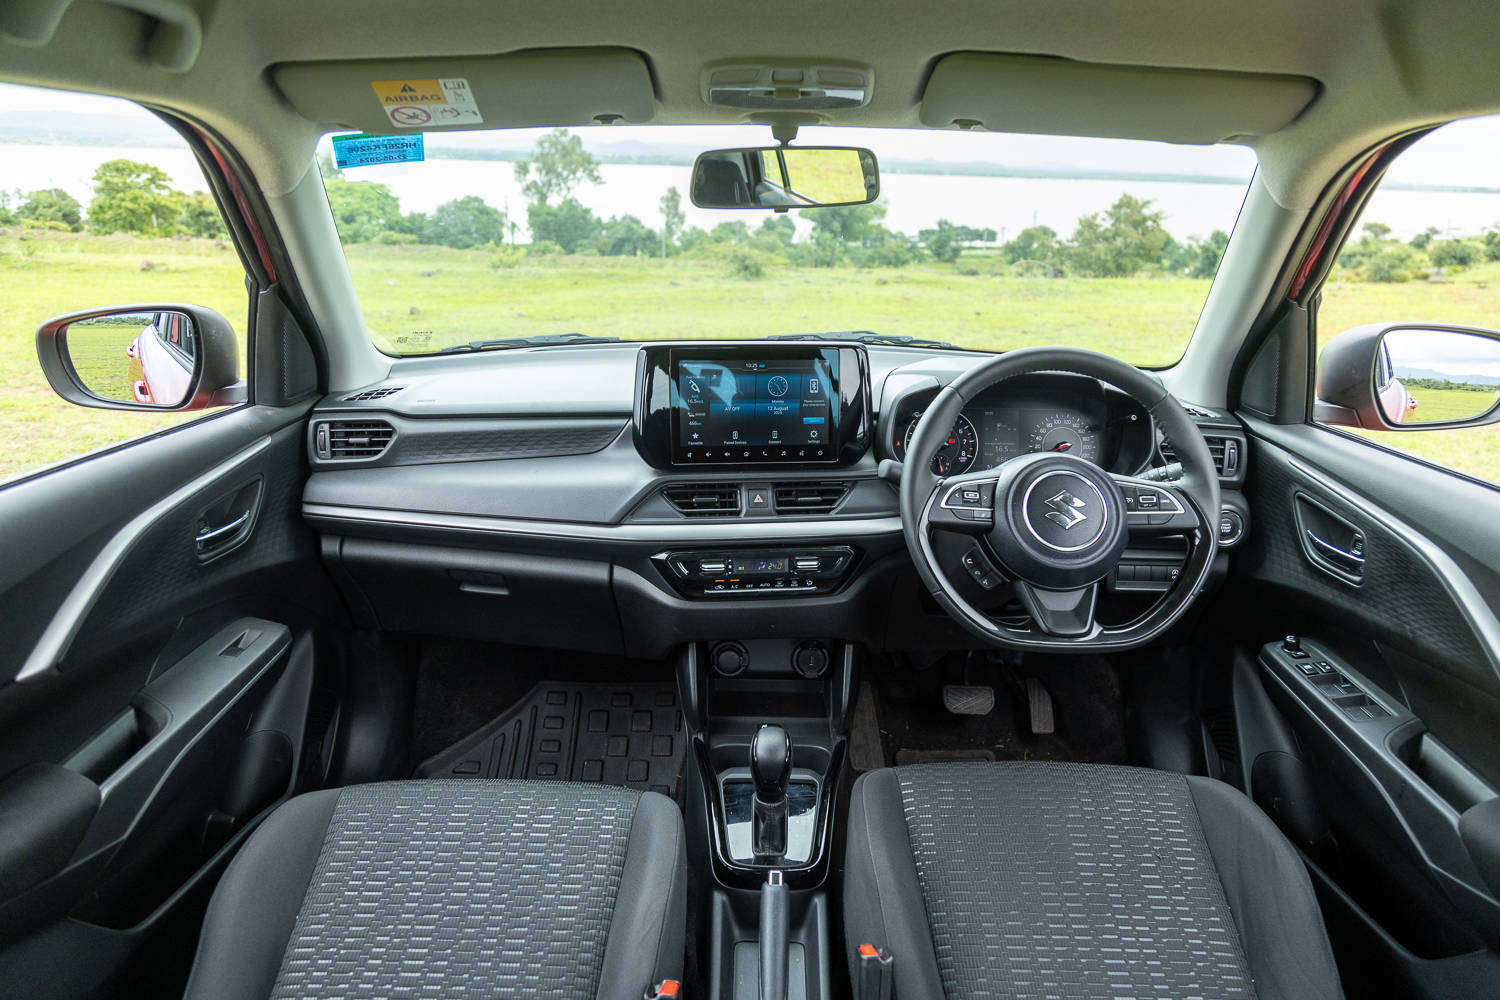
column 1067, row 614
column 964, row 504
column 1155, row 508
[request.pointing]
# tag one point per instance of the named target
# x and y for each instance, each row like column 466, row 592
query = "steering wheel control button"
column 978, row 566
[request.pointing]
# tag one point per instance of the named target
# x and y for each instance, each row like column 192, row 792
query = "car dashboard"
column 633, row 497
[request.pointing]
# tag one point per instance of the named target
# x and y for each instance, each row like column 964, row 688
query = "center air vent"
column 809, row 498
column 368, row 394
column 352, row 440
column 704, row 499
column 1226, row 452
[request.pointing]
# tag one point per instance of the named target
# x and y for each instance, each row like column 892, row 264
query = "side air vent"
column 352, row 440
column 368, row 394
column 809, row 498
column 704, row 499
column 1227, row 454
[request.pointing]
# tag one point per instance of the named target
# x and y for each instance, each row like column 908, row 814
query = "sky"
column 1444, row 351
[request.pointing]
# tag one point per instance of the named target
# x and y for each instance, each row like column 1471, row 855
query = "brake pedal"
column 1039, row 707
column 969, row 699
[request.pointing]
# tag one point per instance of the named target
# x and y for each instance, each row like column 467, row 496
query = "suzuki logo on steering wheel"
column 1067, row 510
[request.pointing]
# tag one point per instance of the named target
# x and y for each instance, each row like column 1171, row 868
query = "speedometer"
column 1063, row 431
column 957, row 453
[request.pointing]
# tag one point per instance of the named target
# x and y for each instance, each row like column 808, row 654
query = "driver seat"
column 1079, row 881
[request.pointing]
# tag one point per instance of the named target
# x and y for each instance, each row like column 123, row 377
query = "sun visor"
column 1040, row 94
column 529, row 89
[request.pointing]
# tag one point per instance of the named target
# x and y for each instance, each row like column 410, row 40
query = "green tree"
column 1425, row 237
column 1032, row 243
column 1127, row 237
column 1376, row 230
column 628, row 236
column 672, row 219
column 363, row 209
column 7, row 214
column 834, row 229
column 732, row 233
column 200, row 217
column 131, row 197
column 559, row 164
column 568, row 224
column 51, row 205
column 947, row 241
column 1455, row 253
column 881, row 247
column 462, row 223
column 776, row 232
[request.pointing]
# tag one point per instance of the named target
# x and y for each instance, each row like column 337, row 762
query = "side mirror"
column 151, row 357
column 783, row 177
column 1399, row 376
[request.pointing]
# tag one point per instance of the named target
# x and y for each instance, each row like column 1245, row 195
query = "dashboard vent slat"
column 704, row 499
column 348, row 440
column 368, row 394
column 808, row 498
column 1225, row 451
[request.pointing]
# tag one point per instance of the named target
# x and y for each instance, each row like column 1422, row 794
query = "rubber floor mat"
column 616, row 734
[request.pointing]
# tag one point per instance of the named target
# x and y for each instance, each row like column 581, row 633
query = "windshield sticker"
column 426, row 103
column 359, row 150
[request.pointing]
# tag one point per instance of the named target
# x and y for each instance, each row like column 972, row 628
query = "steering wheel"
column 1055, row 525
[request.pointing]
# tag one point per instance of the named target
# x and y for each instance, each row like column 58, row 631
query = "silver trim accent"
column 63, row 629
column 1026, row 503
column 677, row 533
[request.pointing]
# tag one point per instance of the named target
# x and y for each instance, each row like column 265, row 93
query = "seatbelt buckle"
column 667, row 989
column 876, row 973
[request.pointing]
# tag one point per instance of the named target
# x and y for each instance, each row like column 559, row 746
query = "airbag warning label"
column 428, row 103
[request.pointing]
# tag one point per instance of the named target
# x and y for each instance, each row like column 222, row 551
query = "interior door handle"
column 1332, row 551
column 217, row 536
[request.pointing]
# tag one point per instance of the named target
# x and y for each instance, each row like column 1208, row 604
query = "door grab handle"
column 208, row 539
column 1333, row 551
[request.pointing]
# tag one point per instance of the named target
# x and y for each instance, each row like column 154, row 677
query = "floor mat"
column 914, row 726
column 618, row 734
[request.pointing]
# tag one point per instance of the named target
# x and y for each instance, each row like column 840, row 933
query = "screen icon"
column 813, row 387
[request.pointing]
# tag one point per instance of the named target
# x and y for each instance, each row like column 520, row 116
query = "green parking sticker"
column 360, row 150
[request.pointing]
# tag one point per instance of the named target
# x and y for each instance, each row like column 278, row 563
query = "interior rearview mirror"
column 167, row 357
column 784, row 177
column 1403, row 377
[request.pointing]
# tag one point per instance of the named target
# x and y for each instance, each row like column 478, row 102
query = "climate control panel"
column 777, row 572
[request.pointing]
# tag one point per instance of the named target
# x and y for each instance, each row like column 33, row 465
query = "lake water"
column 914, row 201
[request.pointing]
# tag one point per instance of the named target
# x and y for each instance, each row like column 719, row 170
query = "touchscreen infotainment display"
column 759, row 409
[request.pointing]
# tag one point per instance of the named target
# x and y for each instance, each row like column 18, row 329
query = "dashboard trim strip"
column 693, row 532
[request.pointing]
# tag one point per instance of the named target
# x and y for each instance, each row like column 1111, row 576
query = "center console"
column 766, row 721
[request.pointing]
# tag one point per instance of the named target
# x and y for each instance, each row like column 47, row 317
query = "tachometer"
column 958, row 452
column 1065, row 432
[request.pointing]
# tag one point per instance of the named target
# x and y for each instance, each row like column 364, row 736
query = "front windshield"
column 981, row 240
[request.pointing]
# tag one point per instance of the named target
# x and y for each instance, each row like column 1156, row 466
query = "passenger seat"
column 461, row 888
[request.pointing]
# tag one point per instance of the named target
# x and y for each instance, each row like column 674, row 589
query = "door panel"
column 1385, row 569
column 161, row 682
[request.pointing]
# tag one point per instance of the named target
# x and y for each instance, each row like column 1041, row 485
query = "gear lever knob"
column 770, row 763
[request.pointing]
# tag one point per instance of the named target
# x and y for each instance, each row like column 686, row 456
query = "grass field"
column 419, row 298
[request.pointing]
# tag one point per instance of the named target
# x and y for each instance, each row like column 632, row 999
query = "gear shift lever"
column 770, row 768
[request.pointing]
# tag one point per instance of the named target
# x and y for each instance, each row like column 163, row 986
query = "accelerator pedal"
column 1039, row 708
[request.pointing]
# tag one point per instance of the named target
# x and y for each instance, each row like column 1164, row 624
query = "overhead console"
column 713, row 405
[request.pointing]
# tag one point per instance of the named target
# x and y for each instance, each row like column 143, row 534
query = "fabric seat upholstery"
column 458, row 888
column 1078, row 881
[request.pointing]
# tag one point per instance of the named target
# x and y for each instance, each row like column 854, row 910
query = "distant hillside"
column 1437, row 376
